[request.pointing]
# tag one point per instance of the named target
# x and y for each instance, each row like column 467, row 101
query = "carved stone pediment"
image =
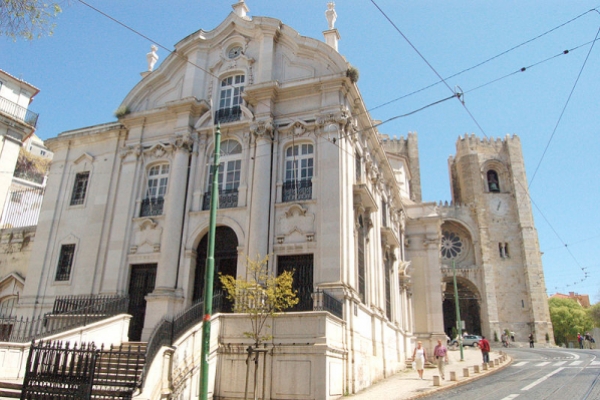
column 296, row 225
column 146, row 237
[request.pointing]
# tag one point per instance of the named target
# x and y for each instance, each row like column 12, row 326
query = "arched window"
column 299, row 168
column 229, row 176
column 156, row 189
column 493, row 182
column 7, row 305
column 230, row 98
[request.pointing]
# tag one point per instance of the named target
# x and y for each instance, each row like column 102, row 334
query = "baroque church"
column 305, row 177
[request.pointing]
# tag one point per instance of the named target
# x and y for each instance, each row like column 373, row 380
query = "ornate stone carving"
column 147, row 236
column 296, row 225
column 263, row 129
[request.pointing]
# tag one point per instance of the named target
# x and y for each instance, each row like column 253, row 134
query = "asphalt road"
column 536, row 374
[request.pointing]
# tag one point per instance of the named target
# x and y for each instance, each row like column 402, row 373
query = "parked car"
column 468, row 340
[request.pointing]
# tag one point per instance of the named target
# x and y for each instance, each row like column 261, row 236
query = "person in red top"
column 441, row 356
column 484, row 345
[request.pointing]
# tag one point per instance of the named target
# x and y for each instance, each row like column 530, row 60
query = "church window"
column 156, row 189
column 229, row 176
column 492, row 179
column 299, row 164
column 452, row 245
column 80, row 188
column 230, row 99
column 65, row 262
column 388, row 285
column 503, row 249
column 361, row 259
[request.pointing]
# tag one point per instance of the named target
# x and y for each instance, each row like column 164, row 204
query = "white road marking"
column 512, row 396
column 542, row 379
column 595, row 363
column 520, row 364
column 542, row 364
column 576, row 363
column 559, row 363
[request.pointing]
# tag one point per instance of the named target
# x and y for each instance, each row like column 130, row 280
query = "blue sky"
column 87, row 68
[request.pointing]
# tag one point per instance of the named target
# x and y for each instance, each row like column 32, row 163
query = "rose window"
column 452, row 245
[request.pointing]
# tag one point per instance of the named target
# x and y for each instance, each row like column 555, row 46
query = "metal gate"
column 302, row 265
column 57, row 371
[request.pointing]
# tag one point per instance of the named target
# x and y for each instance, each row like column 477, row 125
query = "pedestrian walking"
column 512, row 336
column 441, row 357
column 531, row 340
column 580, row 340
column 419, row 358
column 484, row 345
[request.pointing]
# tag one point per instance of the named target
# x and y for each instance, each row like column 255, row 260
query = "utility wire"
column 564, row 108
column 429, row 65
column 483, row 62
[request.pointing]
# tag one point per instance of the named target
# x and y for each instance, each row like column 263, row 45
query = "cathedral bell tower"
column 488, row 177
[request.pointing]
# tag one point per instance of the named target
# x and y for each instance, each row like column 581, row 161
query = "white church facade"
column 304, row 177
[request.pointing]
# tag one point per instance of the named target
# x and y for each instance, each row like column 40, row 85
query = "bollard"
column 476, row 368
column 490, row 365
column 436, row 380
column 453, row 376
column 485, row 366
column 496, row 362
column 466, row 372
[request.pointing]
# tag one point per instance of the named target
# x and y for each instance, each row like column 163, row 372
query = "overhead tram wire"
column 430, row 66
column 564, row 107
column 484, row 62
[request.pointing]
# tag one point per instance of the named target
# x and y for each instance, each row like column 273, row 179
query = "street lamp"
column 458, row 321
column 210, row 269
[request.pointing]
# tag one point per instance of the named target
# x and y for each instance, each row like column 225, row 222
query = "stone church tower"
column 488, row 233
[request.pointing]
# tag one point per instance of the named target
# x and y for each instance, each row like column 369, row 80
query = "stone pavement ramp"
column 407, row 385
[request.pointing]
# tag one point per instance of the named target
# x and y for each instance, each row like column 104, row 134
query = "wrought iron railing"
column 152, row 206
column 297, row 190
column 16, row 111
column 15, row 329
column 227, row 199
column 326, row 302
column 95, row 304
column 225, row 115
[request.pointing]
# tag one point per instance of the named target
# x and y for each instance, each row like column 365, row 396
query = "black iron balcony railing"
column 152, row 206
column 16, row 111
column 297, row 190
column 227, row 199
column 225, row 115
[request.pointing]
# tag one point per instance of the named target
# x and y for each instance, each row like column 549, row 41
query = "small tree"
column 28, row 19
column 261, row 295
column 568, row 318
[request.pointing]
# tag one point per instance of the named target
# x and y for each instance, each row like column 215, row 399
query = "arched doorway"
column 468, row 300
column 226, row 244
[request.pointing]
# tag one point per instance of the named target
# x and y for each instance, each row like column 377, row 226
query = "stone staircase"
column 118, row 373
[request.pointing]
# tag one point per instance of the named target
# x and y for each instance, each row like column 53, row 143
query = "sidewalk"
column 407, row 385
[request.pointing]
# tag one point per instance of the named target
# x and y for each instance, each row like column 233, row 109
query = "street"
column 536, row 374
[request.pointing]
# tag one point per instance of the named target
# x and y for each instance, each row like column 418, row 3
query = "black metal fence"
column 55, row 370
column 323, row 301
column 297, row 190
column 69, row 316
column 227, row 199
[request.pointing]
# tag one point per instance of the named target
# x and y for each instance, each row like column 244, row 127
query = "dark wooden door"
column 142, row 282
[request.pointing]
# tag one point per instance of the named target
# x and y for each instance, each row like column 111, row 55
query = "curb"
column 452, row 384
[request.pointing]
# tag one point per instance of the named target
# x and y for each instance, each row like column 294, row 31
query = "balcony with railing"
column 152, row 206
column 227, row 199
column 17, row 112
column 231, row 114
column 297, row 190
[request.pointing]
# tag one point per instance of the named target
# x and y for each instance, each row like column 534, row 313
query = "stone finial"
column 152, row 57
column 240, row 9
column 331, row 14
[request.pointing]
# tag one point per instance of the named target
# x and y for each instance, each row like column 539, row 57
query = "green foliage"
column 28, row 19
column 568, row 318
column 352, row 73
column 495, row 336
column 261, row 295
column 594, row 313
column 122, row 111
